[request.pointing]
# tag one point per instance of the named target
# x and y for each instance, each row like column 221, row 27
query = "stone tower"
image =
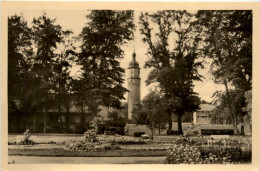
column 133, row 82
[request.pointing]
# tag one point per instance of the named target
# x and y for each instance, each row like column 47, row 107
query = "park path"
column 85, row 160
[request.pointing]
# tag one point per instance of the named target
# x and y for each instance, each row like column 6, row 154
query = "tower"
column 133, row 82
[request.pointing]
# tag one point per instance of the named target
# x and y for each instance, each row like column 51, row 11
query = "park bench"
column 218, row 139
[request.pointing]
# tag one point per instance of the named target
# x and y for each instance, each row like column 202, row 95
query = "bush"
column 26, row 140
column 91, row 136
column 188, row 154
column 184, row 140
column 172, row 132
column 217, row 131
column 89, row 142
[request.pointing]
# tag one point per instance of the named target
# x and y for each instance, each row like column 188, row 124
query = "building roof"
column 134, row 63
column 206, row 107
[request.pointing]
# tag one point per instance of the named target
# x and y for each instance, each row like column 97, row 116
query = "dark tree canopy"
column 226, row 37
column 102, row 39
column 19, row 54
column 174, row 69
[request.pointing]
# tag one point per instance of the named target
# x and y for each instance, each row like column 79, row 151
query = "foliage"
column 92, row 142
column 117, row 116
column 152, row 111
column 91, row 136
column 174, row 70
column 19, row 53
column 226, row 38
column 39, row 61
column 102, row 76
column 248, row 107
column 183, row 154
column 89, row 142
column 26, row 140
column 189, row 154
column 46, row 36
column 124, row 140
column 80, row 145
column 63, row 62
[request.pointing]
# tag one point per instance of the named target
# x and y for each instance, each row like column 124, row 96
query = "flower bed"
column 189, row 154
column 123, row 140
column 82, row 145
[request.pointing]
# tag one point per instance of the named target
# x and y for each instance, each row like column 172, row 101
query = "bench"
column 218, row 139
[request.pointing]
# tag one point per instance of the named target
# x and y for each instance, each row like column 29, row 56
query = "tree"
column 101, row 51
column 62, row 64
column 152, row 112
column 227, row 40
column 174, row 70
column 46, row 36
column 19, row 53
column 22, row 82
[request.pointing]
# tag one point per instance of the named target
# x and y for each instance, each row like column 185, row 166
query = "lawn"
column 64, row 153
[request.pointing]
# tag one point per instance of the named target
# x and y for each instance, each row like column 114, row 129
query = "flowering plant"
column 26, row 140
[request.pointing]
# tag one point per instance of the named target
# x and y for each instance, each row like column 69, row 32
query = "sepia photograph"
column 129, row 85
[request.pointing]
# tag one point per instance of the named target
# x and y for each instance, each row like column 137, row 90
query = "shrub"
column 184, row 140
column 91, row 136
column 217, row 131
column 188, row 154
column 26, row 140
column 89, row 142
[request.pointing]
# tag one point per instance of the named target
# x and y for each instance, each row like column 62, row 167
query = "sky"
column 75, row 21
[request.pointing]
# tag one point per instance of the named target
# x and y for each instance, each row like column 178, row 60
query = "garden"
column 176, row 149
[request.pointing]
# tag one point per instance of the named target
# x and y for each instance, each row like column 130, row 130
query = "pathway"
column 85, row 160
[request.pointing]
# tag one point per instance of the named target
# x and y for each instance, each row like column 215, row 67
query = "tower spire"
column 134, row 54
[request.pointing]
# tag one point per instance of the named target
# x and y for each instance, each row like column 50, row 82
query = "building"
column 134, row 85
column 203, row 116
column 20, row 121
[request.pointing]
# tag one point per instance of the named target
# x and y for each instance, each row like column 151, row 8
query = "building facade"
column 19, row 121
column 134, row 86
column 203, row 116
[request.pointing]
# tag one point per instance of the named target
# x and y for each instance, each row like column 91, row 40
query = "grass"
column 64, row 153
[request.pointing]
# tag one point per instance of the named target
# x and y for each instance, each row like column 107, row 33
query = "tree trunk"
column 152, row 130
column 82, row 119
column 236, row 132
column 170, row 121
column 67, row 120
column 34, row 122
column 233, row 115
column 45, row 121
column 179, row 123
column 60, row 119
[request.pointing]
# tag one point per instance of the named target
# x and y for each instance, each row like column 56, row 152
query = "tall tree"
column 102, row 39
column 46, row 36
column 62, row 65
column 19, row 53
column 227, row 40
column 22, row 85
column 176, row 69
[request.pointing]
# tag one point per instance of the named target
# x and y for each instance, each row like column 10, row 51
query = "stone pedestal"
column 130, row 129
